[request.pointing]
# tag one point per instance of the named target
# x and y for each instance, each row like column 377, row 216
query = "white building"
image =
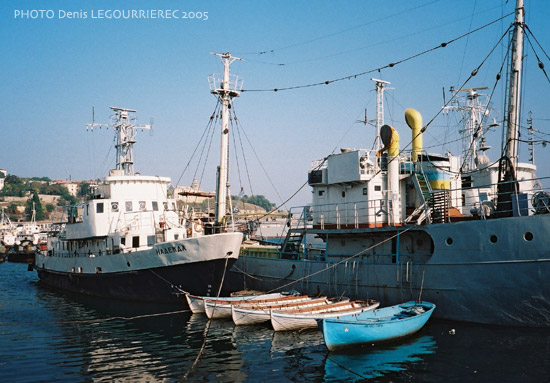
column 190, row 194
column 3, row 175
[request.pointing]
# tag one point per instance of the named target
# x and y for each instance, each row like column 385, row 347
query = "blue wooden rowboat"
column 375, row 326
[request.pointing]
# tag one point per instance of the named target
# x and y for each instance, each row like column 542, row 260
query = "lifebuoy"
column 198, row 226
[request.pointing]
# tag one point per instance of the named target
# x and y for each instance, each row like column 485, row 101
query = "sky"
column 77, row 56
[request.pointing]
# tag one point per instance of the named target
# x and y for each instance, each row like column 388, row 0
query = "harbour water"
column 47, row 335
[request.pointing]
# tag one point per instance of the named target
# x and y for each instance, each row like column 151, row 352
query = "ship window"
column 176, row 236
column 123, row 241
column 99, row 207
column 528, row 236
column 377, row 187
column 493, row 238
column 114, row 206
column 155, row 206
column 343, row 194
column 87, row 209
column 321, row 192
column 364, row 191
column 135, row 241
column 142, row 205
column 165, row 205
column 449, row 241
column 150, row 240
column 128, row 205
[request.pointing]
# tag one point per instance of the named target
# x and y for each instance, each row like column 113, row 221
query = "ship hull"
column 165, row 284
column 489, row 271
column 159, row 274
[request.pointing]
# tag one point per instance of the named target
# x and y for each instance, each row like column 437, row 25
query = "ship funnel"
column 390, row 139
column 414, row 120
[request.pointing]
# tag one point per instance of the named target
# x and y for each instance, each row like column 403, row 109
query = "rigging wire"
column 198, row 143
column 390, row 65
column 339, row 32
column 540, row 46
column 541, row 65
column 344, row 260
column 259, row 162
column 365, row 47
column 472, row 74
column 467, row 41
column 497, row 78
column 237, row 125
column 210, row 140
column 236, row 151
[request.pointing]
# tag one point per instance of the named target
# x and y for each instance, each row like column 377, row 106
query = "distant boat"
column 301, row 318
column 196, row 303
column 251, row 314
column 388, row 323
column 221, row 308
column 129, row 240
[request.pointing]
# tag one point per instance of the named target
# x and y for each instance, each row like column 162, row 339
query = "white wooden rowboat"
column 305, row 317
column 219, row 308
column 248, row 314
column 196, row 302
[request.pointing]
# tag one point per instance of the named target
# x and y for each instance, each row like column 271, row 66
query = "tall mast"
column 380, row 88
column 225, row 88
column 508, row 185
column 513, row 115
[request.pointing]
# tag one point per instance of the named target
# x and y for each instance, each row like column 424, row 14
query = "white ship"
column 130, row 241
column 468, row 235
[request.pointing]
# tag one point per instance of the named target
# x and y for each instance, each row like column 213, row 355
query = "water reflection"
column 47, row 336
column 373, row 362
column 285, row 341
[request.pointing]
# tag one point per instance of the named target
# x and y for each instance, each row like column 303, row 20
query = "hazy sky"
column 56, row 68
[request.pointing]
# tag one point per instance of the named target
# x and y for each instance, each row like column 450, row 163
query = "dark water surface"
column 49, row 336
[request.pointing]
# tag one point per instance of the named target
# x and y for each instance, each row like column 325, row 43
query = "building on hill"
column 3, row 175
column 243, row 208
column 72, row 186
column 190, row 194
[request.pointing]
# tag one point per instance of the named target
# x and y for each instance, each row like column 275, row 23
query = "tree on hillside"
column 13, row 186
column 84, row 190
column 37, row 206
column 258, row 200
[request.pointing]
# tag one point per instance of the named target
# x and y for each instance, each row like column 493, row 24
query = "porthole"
column 128, row 263
column 528, row 236
column 449, row 241
column 493, row 238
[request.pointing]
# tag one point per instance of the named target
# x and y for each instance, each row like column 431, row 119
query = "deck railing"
column 532, row 199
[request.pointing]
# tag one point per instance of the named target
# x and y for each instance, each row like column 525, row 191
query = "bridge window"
column 99, row 207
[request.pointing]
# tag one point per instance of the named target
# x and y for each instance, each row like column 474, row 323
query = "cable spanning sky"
column 64, row 58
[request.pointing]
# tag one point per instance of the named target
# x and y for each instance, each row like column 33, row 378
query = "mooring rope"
column 329, row 267
column 207, row 325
